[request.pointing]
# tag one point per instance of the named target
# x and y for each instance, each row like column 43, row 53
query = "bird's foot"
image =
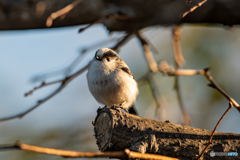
column 118, row 108
column 100, row 108
column 115, row 107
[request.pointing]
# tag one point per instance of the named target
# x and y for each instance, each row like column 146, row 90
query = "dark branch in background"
column 210, row 139
column 101, row 20
column 17, row 15
column 64, row 82
column 74, row 154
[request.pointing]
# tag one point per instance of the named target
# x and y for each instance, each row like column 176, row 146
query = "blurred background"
column 65, row 121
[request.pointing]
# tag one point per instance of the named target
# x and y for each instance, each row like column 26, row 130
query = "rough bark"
column 116, row 130
column 21, row 14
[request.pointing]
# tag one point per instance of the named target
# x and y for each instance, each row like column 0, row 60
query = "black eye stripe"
column 110, row 53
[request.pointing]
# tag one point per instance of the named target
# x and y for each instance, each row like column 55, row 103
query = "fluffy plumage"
column 110, row 80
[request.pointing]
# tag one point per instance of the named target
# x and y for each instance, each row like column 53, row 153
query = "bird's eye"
column 108, row 59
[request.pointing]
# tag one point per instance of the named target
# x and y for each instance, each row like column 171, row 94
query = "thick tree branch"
column 22, row 14
column 116, row 130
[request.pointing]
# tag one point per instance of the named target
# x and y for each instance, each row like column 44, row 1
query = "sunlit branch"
column 179, row 62
column 74, row 154
column 61, row 12
column 193, row 8
column 214, row 85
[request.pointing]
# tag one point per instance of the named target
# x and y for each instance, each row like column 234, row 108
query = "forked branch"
column 214, row 85
column 166, row 70
column 61, row 12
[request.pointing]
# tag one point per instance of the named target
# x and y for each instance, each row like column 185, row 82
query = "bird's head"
column 107, row 59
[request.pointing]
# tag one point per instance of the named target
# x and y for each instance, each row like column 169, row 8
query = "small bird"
column 110, row 81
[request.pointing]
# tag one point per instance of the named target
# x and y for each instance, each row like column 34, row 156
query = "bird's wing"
column 125, row 68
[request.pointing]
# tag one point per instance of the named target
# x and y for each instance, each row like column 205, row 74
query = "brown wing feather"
column 125, row 68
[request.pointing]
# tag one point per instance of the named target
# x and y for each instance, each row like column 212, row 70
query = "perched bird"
column 110, row 80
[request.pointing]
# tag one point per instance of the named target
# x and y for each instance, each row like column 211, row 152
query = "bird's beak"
column 97, row 58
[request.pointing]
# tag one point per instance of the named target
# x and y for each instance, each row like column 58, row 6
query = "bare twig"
column 179, row 61
column 61, row 12
column 167, row 70
column 210, row 139
column 74, row 154
column 63, row 84
column 68, row 70
column 147, row 52
column 176, row 35
column 185, row 119
column 215, row 86
column 137, row 155
column 42, row 85
column 122, row 42
column 157, row 98
column 193, row 8
column 91, row 24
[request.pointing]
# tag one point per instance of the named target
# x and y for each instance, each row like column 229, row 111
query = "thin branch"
column 63, row 84
column 62, row 12
column 43, row 85
column 147, row 52
column 176, row 35
column 186, row 120
column 210, row 140
column 193, row 8
column 137, row 155
column 68, row 70
column 93, row 23
column 157, row 98
column 179, row 61
column 158, row 68
column 74, row 154
column 214, row 85
column 122, row 42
